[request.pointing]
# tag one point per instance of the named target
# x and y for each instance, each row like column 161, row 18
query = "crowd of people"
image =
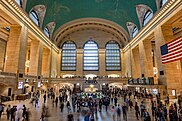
column 16, row 114
column 89, row 107
column 115, row 101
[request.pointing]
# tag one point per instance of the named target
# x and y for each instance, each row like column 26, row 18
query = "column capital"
column 79, row 51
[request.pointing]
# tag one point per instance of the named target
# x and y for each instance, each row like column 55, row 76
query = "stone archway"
column 6, row 90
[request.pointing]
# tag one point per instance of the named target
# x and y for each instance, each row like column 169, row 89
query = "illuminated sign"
column 20, row 85
column 39, row 84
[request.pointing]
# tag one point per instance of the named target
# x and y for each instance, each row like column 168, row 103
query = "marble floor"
column 56, row 115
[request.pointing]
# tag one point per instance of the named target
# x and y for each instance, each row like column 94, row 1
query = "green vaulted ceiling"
column 63, row 11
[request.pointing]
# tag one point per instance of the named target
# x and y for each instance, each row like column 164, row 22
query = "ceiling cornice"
column 98, row 23
column 163, row 14
column 11, row 8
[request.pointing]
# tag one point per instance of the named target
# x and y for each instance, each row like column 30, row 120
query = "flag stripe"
column 172, row 51
column 175, row 48
column 175, row 45
column 171, row 60
column 172, row 56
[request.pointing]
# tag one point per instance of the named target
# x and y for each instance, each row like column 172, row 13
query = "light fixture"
column 155, row 70
column 7, row 28
column 27, row 63
column 26, row 80
column 91, row 86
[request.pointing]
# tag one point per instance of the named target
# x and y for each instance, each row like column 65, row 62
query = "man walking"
column 118, row 110
column 44, row 98
column 124, row 108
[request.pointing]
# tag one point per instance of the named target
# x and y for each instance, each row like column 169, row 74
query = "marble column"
column 79, row 63
column 102, row 62
column 35, row 58
column 172, row 76
column 16, row 49
column 136, row 63
column 146, row 63
column 46, row 62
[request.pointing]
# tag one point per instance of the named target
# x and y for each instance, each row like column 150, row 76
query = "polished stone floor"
column 56, row 115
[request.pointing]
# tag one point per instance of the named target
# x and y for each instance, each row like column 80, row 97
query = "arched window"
column 113, row 56
column 134, row 32
column 91, row 59
column 19, row 2
column 68, row 56
column 33, row 15
column 148, row 15
column 163, row 2
column 46, row 32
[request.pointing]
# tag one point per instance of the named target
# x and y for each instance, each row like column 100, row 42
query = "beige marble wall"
column 145, row 49
column 79, row 63
column 128, row 63
column 136, row 68
column 2, row 53
column 54, row 62
column 36, row 49
column 173, row 74
column 46, row 62
column 16, row 50
column 102, row 62
column 159, row 41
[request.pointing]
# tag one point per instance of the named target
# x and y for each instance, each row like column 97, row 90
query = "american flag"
column 172, row 51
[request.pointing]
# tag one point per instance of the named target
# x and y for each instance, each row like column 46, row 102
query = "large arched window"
column 113, row 56
column 163, row 2
column 46, row 32
column 134, row 32
column 33, row 15
column 19, row 2
column 68, row 56
column 91, row 59
column 148, row 15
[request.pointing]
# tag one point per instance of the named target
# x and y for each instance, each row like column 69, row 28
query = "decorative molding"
column 14, row 10
column 131, row 26
column 141, row 10
column 51, row 27
column 40, row 10
column 91, row 23
column 161, row 15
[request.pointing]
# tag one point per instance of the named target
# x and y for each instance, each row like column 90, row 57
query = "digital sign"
column 20, row 85
column 39, row 84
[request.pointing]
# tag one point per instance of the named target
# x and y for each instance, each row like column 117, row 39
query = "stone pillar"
column 171, row 77
column 146, row 63
column 136, row 73
column 2, row 53
column 16, row 49
column 102, row 62
column 123, row 66
column 180, row 68
column 142, row 58
column 79, row 62
column 46, row 62
column 159, row 41
column 128, row 63
column 35, row 58
column 59, row 62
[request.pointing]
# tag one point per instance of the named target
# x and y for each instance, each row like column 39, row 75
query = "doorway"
column 9, row 91
column 32, row 89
